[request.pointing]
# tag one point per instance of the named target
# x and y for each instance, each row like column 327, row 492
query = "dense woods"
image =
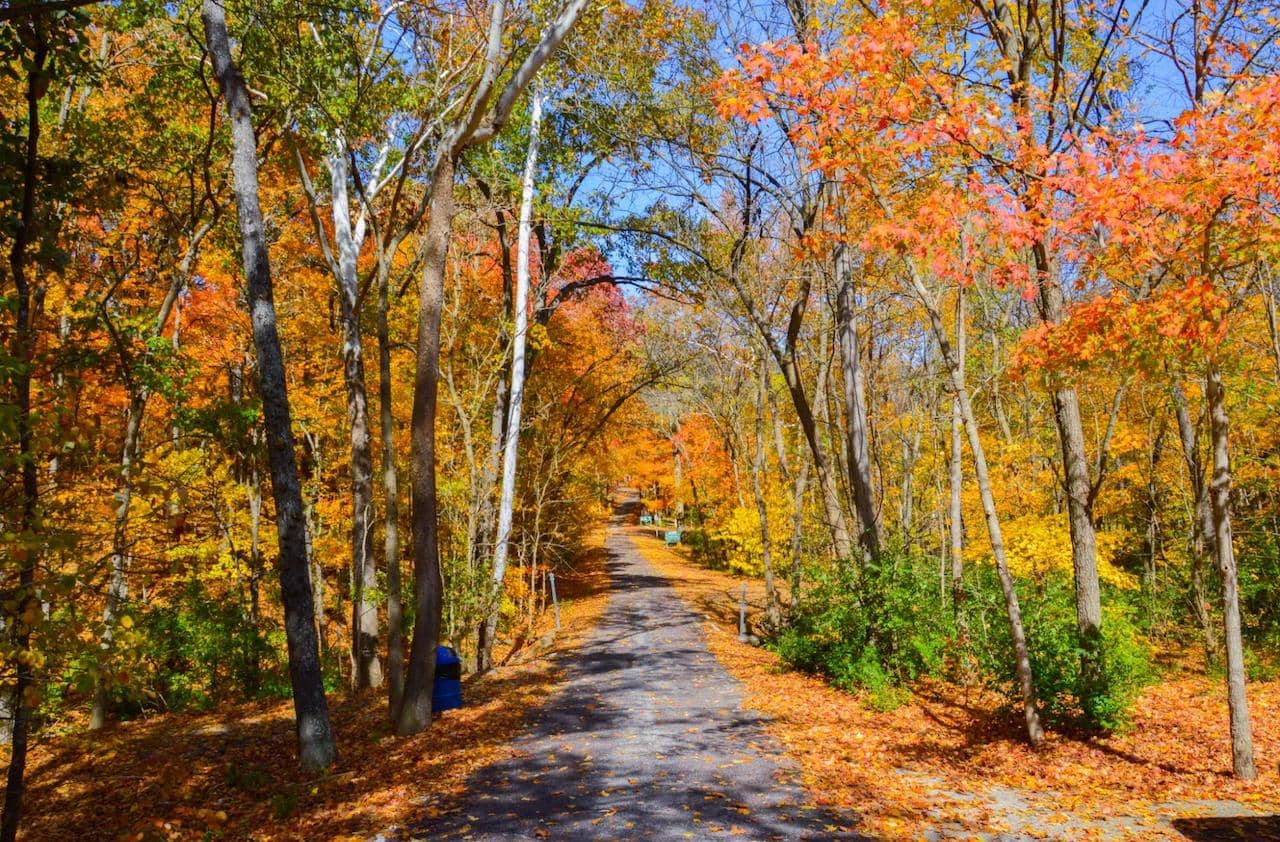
column 328, row 328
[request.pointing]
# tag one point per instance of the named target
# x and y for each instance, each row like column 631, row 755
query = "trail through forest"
column 647, row 740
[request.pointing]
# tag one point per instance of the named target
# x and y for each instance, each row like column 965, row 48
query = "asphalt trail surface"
column 647, row 739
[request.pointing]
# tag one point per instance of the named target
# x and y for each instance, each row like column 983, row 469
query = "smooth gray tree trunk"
column 1220, row 500
column 366, row 669
column 486, row 520
column 316, row 748
column 1079, row 495
column 1022, row 655
column 957, row 478
column 391, row 491
column 855, row 405
column 1022, row 52
column 1203, row 534
column 759, row 467
column 1084, row 548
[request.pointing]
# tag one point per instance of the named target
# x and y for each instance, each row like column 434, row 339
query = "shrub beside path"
column 951, row 763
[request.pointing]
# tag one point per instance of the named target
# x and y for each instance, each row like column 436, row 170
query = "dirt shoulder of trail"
column 951, row 762
column 232, row 774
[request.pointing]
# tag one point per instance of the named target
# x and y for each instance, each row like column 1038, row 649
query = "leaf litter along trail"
column 952, row 763
column 648, row 739
column 231, row 773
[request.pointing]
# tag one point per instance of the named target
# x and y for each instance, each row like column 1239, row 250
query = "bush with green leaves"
column 1048, row 616
column 878, row 630
column 200, row 650
column 872, row 630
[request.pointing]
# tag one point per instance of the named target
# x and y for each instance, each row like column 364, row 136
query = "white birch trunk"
column 366, row 670
column 506, row 499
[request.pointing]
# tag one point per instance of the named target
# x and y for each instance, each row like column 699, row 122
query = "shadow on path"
column 1223, row 828
column 647, row 740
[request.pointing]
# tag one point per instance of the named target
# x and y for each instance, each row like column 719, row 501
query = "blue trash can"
column 446, row 691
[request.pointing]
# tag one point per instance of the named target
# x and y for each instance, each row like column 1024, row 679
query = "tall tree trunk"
column 501, row 396
column 1035, row 732
column 855, row 403
column 1079, row 492
column 511, row 445
column 477, row 125
column 1203, row 534
column 759, row 466
column 826, row 482
column 366, row 670
column 1153, row 511
column 311, row 711
column 487, row 519
column 1220, row 498
column 414, row 714
column 27, row 308
column 1022, row 52
column 957, row 479
column 391, row 490
column 1022, row 656
column 956, row 515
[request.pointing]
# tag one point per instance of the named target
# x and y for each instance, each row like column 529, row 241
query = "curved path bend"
column 646, row 739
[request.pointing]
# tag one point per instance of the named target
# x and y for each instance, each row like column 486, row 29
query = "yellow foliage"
column 741, row 533
column 1036, row 544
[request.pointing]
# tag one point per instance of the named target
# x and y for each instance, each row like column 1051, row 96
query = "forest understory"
column 230, row 773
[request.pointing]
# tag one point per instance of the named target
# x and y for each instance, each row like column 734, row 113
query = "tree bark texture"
column 1220, row 499
column 366, row 670
column 311, row 711
column 855, row 401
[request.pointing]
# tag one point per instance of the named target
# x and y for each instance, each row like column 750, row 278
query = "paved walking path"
column 646, row 740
